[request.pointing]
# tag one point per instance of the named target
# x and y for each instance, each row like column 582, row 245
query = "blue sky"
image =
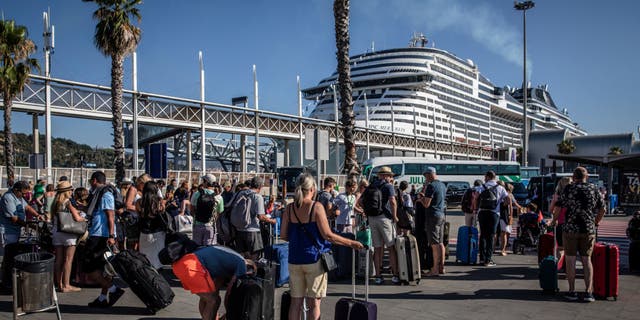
column 585, row 51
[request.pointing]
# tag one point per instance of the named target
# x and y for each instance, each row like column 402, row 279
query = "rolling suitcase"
column 467, row 245
column 546, row 245
column 266, row 274
column 362, row 258
column 548, row 269
column 634, row 256
column 279, row 253
column 356, row 309
column 445, row 239
column 605, row 260
column 245, row 299
column 408, row 259
column 143, row 279
column 343, row 257
column 285, row 305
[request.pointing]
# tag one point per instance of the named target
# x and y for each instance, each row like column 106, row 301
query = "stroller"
column 529, row 231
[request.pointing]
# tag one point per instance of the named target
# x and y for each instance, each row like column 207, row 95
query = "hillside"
column 66, row 153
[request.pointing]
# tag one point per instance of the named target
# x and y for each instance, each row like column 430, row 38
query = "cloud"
column 478, row 20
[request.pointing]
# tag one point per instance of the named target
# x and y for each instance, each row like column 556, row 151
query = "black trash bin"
column 33, row 287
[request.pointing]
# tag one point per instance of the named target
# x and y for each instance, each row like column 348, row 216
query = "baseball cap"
column 429, row 170
column 209, row 178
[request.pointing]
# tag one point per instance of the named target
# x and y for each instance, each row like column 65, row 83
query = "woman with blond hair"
column 305, row 226
column 64, row 243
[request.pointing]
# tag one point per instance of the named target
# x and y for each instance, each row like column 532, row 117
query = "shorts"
column 578, row 243
column 434, row 228
column 382, row 231
column 64, row 239
column 308, row 280
column 94, row 250
column 193, row 275
column 249, row 241
column 504, row 227
column 204, row 234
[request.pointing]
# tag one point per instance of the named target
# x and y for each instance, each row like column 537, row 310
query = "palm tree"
column 341, row 16
column 616, row 151
column 566, row 147
column 116, row 37
column 15, row 66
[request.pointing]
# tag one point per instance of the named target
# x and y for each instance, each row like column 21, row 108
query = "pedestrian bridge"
column 90, row 101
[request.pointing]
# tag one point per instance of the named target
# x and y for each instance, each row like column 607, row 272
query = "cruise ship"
column 433, row 93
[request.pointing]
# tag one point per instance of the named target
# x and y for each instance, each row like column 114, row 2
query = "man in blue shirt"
column 433, row 199
column 205, row 271
column 102, row 234
column 14, row 209
column 487, row 204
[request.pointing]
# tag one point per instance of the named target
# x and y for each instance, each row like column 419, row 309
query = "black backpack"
column 206, row 207
column 372, row 201
column 488, row 198
column 467, row 201
column 95, row 198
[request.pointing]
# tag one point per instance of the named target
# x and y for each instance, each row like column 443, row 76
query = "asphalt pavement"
column 509, row 290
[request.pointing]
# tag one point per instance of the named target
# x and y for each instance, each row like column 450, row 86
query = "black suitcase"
column 356, row 309
column 285, row 305
column 344, row 260
column 267, row 273
column 147, row 284
column 247, row 299
column 11, row 250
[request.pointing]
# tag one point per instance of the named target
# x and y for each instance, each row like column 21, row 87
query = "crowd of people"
column 141, row 213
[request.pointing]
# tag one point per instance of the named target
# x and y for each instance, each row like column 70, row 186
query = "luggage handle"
column 366, row 273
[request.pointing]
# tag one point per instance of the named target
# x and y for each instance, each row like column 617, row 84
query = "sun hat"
column 64, row 186
column 385, row 170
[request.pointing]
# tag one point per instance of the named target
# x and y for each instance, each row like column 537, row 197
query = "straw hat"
column 385, row 171
column 64, row 186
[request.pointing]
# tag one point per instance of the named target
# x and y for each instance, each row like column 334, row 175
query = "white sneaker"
column 395, row 280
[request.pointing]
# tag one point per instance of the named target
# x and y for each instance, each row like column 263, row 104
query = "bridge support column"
column 36, row 139
column 243, row 153
column 287, row 159
column 189, row 154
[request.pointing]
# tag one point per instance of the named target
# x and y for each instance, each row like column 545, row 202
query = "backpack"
column 372, row 201
column 206, row 207
column 467, row 201
column 240, row 215
column 96, row 198
column 176, row 246
column 488, row 198
column 633, row 229
column 226, row 231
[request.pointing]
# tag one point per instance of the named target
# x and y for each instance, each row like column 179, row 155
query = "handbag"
column 67, row 224
column 326, row 258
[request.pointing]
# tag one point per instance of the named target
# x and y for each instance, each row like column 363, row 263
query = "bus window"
column 414, row 169
column 469, row 169
column 508, row 170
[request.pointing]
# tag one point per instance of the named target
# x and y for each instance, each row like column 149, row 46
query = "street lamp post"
column 524, row 6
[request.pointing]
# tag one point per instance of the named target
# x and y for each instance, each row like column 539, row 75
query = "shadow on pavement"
column 480, row 273
column 7, row 306
column 493, row 294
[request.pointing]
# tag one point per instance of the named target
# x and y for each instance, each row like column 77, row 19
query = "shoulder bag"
column 328, row 262
column 67, row 224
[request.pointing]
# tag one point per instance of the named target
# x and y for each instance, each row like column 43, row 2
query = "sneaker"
column 97, row 303
column 571, row 296
column 113, row 297
column 395, row 280
column 490, row 264
column 588, row 297
column 379, row 280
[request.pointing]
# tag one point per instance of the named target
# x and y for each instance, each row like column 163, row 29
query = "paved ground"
column 508, row 291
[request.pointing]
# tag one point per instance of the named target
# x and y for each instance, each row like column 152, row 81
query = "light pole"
column 524, row 6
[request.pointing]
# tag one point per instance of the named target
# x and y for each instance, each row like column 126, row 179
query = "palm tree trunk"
column 117, row 74
column 9, row 152
column 341, row 16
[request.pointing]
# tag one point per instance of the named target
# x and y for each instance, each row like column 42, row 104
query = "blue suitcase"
column 467, row 245
column 279, row 253
column 343, row 258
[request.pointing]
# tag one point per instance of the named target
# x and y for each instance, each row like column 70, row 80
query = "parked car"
column 455, row 191
column 520, row 192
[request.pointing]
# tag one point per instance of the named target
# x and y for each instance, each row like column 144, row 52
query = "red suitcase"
column 545, row 246
column 606, row 266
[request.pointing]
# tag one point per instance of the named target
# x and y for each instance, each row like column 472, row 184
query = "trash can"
column 34, row 281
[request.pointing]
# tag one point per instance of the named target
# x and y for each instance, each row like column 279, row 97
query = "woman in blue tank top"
column 305, row 226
